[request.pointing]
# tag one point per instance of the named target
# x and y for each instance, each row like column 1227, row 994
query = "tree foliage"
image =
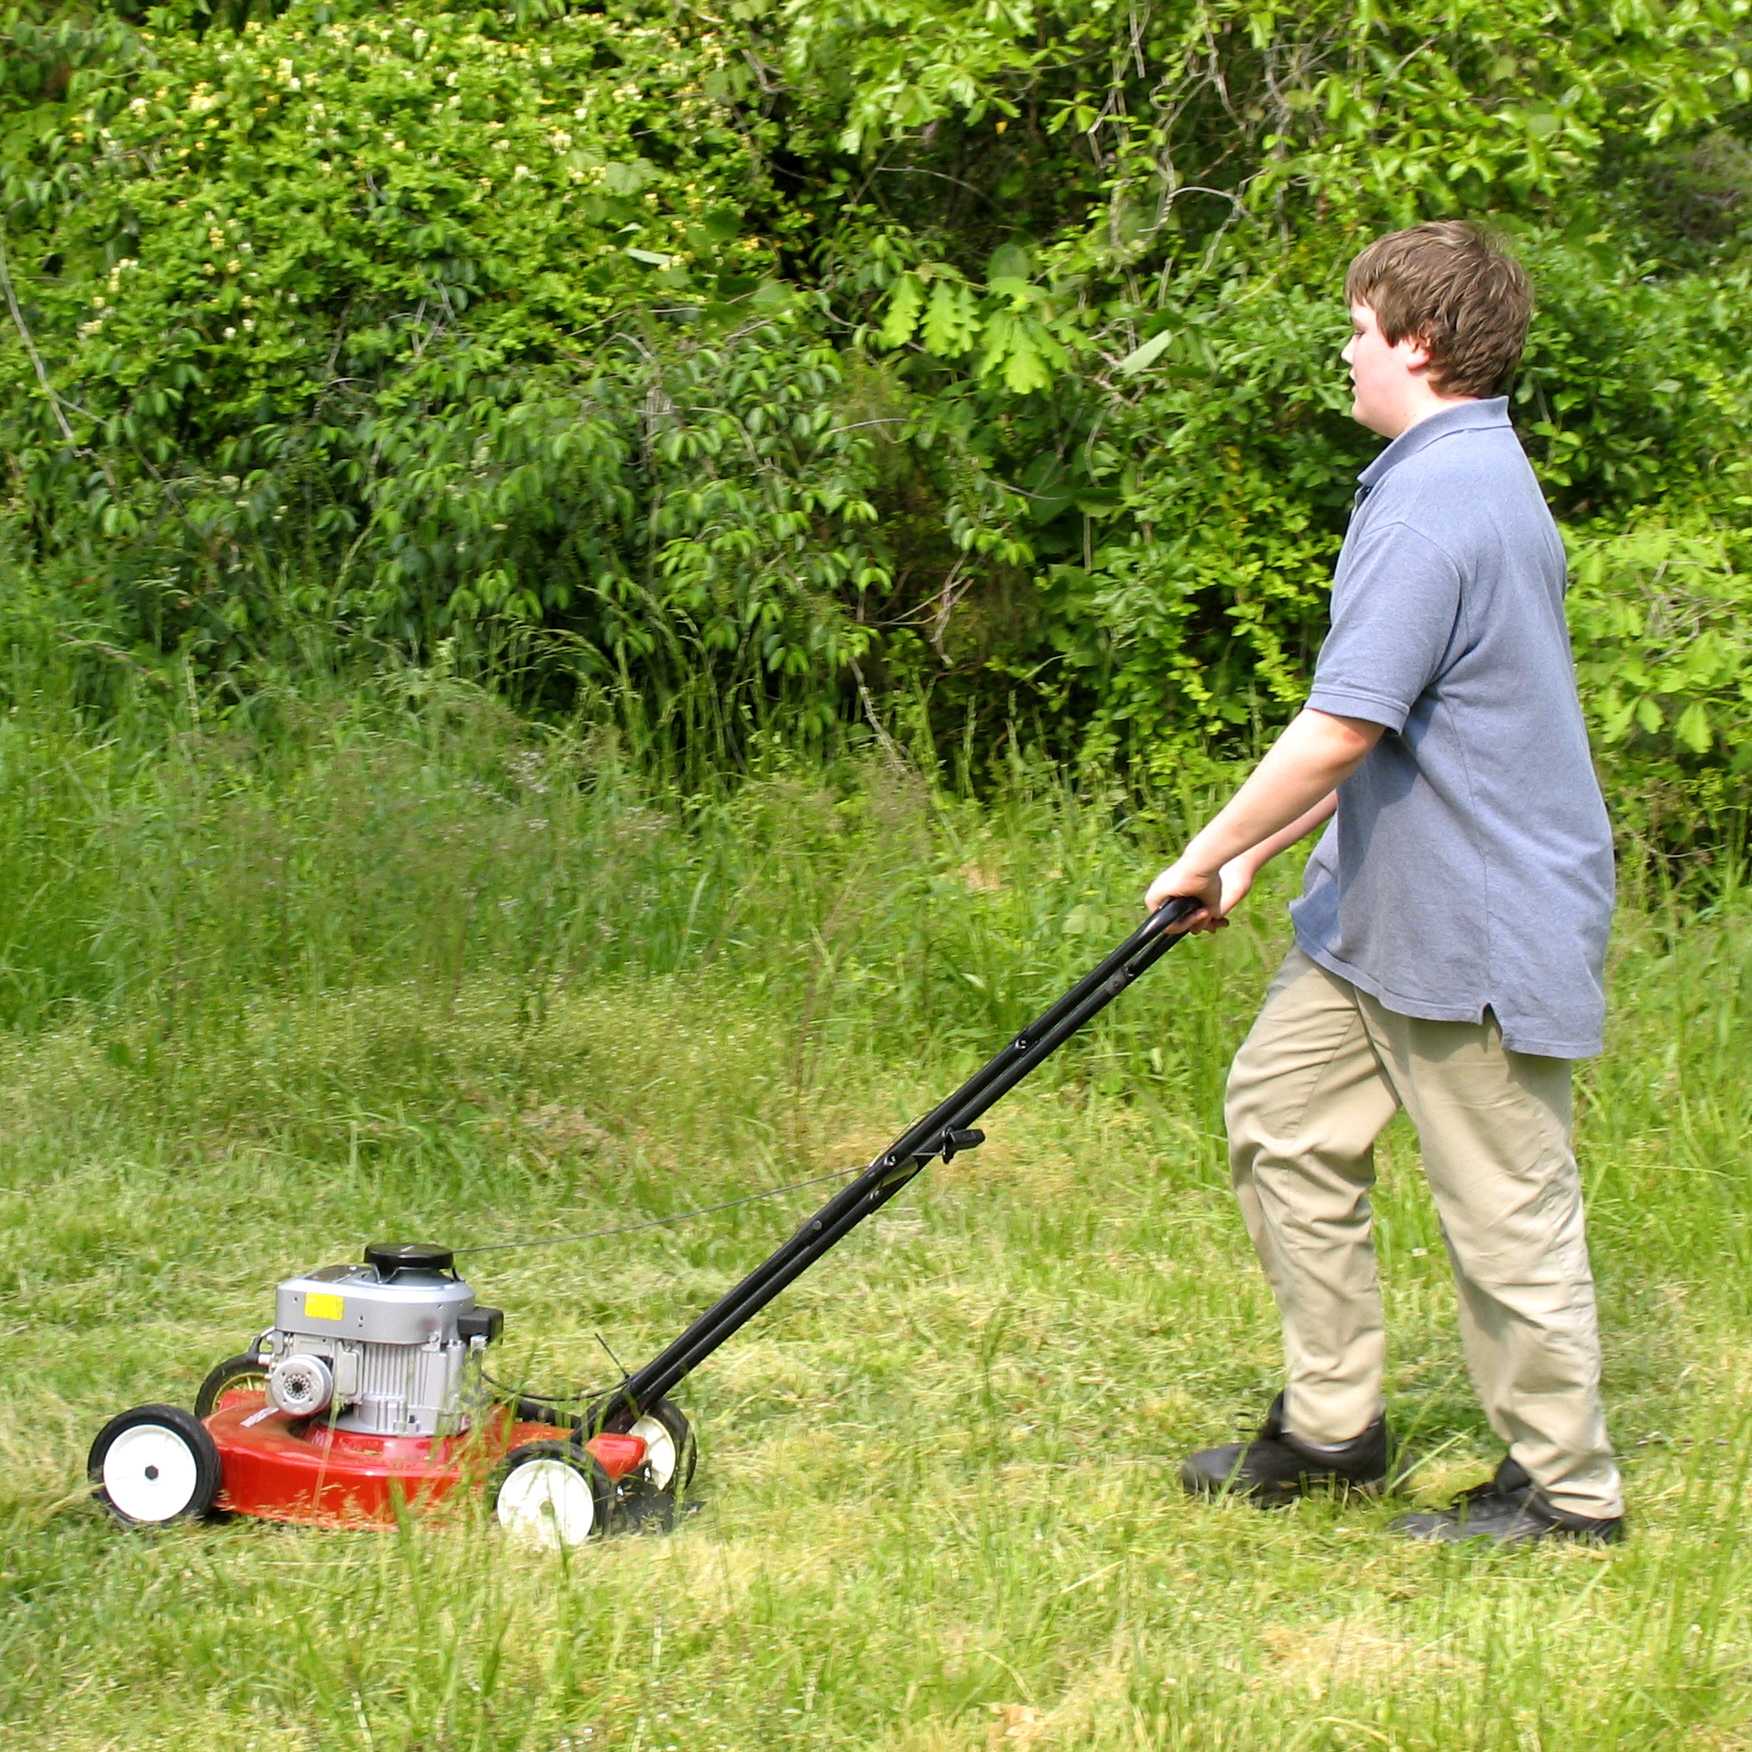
column 985, row 352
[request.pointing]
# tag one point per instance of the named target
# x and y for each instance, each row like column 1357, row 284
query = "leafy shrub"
column 1660, row 619
column 829, row 359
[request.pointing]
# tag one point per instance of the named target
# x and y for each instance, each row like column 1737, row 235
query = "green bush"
column 812, row 362
column 1659, row 618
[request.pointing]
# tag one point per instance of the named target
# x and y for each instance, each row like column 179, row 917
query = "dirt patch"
column 558, row 1130
column 1346, row 1651
column 1013, row 1725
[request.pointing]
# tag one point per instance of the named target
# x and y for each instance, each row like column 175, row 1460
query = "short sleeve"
column 1394, row 607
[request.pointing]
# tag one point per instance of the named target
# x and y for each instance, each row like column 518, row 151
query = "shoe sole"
column 1196, row 1484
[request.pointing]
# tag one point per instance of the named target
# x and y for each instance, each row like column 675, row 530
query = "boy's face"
column 1385, row 376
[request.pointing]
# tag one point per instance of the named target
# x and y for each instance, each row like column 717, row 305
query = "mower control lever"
column 966, row 1137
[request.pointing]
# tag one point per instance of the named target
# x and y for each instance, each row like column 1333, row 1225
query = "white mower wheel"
column 553, row 1495
column 155, row 1464
column 670, row 1450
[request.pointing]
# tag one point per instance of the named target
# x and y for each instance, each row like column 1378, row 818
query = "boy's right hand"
column 1218, row 894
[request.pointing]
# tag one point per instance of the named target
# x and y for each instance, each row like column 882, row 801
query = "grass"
column 391, row 964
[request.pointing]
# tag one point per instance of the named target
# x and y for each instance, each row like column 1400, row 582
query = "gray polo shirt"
column 1469, row 864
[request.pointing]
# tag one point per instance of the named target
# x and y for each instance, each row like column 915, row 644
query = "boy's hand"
column 1218, row 894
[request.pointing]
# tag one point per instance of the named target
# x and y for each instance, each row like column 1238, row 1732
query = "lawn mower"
column 368, row 1397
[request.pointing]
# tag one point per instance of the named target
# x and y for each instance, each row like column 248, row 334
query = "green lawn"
column 273, row 997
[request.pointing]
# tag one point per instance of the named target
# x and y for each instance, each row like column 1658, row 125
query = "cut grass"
column 938, row 1497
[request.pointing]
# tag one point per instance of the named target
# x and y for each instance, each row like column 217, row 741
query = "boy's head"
column 1450, row 303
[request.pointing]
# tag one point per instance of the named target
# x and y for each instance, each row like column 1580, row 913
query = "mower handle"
column 945, row 1129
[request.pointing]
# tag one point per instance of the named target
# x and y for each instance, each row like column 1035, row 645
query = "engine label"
column 321, row 1306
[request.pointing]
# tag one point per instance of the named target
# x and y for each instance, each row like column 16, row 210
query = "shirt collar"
column 1472, row 416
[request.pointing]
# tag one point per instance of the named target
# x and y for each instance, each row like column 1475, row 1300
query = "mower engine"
column 382, row 1347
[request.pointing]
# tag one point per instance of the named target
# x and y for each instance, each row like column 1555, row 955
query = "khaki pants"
column 1310, row 1090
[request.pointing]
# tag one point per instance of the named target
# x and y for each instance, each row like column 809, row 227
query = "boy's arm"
column 1263, row 853
column 1290, row 792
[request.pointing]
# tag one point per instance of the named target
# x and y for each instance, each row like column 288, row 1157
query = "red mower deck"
column 282, row 1468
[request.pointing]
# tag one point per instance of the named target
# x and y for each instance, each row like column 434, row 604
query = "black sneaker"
column 1510, row 1511
column 1277, row 1467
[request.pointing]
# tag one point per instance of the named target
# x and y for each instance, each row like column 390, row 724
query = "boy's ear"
column 1415, row 351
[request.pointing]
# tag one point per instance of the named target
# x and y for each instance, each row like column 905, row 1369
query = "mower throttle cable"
column 730, row 1204
column 548, row 1407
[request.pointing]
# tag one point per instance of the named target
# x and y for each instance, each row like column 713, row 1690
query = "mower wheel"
column 670, row 1450
column 552, row 1494
column 155, row 1464
column 240, row 1374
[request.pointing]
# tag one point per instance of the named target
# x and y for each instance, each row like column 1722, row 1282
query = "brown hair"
column 1454, row 287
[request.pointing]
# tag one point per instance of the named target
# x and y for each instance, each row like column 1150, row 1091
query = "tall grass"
column 419, row 829
column 328, row 963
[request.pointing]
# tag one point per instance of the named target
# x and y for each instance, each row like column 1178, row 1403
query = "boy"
column 1450, row 936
